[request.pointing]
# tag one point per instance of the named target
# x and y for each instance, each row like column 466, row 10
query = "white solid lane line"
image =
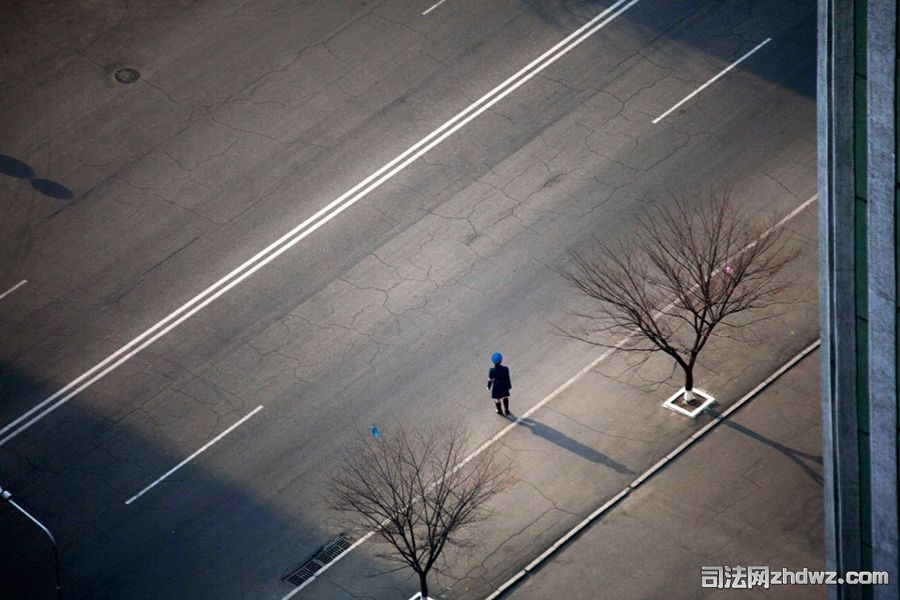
column 194, row 455
column 711, row 81
column 433, row 7
column 555, row 393
column 322, row 216
column 13, row 288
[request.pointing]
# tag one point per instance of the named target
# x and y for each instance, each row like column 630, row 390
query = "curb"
column 612, row 502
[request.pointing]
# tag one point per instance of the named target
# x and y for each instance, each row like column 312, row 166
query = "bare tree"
column 412, row 489
column 686, row 271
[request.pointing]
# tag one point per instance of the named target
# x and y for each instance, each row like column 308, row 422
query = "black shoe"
column 507, row 412
column 499, row 412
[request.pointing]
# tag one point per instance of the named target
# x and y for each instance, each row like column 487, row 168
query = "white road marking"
column 711, row 81
column 13, row 288
column 194, row 455
column 433, row 7
column 571, row 381
column 322, row 216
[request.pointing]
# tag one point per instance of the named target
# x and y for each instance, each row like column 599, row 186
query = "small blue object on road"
column 376, row 433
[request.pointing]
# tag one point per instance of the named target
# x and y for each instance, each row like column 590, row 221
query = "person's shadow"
column 15, row 168
column 573, row 445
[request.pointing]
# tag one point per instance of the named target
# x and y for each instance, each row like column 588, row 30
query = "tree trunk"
column 423, row 585
column 689, row 384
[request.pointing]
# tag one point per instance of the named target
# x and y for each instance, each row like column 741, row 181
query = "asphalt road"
column 120, row 204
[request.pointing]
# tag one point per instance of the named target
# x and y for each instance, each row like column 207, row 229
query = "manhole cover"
column 127, row 75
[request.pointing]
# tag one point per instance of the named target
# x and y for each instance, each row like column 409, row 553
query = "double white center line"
column 320, row 218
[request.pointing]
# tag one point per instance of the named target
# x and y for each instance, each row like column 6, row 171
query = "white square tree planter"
column 702, row 401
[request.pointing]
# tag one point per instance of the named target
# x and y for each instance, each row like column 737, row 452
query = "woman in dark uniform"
column 499, row 383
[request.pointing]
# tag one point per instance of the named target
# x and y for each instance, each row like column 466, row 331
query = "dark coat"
column 499, row 382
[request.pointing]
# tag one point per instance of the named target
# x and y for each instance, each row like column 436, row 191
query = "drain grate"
column 320, row 558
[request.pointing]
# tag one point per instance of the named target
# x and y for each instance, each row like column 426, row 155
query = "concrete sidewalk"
column 748, row 493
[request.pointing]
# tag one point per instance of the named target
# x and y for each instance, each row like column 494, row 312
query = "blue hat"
column 496, row 358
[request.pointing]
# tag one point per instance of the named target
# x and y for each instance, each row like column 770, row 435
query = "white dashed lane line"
column 13, row 288
column 711, row 81
column 433, row 7
column 194, row 455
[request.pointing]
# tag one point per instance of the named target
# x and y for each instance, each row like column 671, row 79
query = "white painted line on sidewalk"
column 433, row 7
column 13, row 288
column 194, row 455
column 652, row 471
column 301, row 231
column 711, row 81
column 569, row 383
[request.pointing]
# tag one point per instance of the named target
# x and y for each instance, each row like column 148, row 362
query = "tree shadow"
column 797, row 456
column 12, row 167
column 572, row 445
